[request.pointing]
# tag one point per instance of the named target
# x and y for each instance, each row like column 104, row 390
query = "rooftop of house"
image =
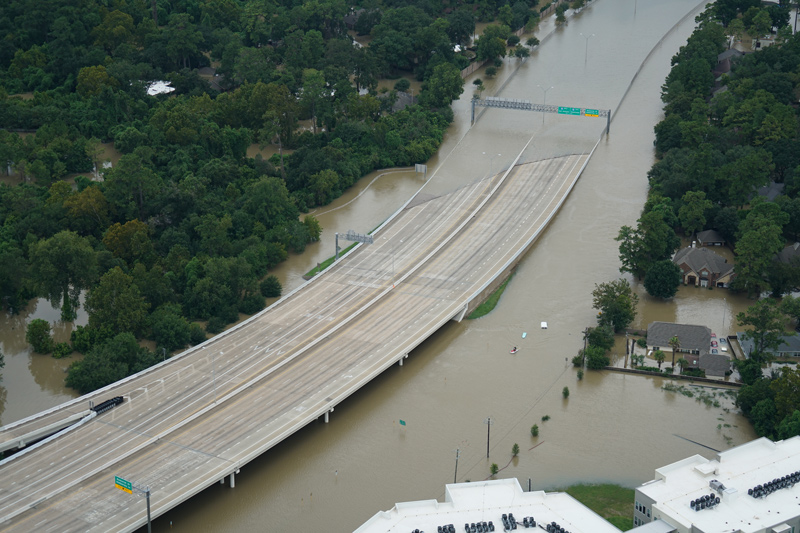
column 691, row 337
column 702, row 258
column 709, row 236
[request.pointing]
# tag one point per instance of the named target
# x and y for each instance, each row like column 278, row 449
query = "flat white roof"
column 485, row 501
column 738, row 469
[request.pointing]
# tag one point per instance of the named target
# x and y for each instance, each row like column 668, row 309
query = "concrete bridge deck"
column 200, row 416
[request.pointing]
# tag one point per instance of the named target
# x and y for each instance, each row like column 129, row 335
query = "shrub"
column 545, row 418
column 215, row 325
column 197, row 334
column 565, row 392
column 515, row 450
column 642, row 342
column 38, row 336
column 271, row 287
column 402, row 85
column 513, row 40
column 580, row 375
column 252, row 304
column 578, row 359
column 534, row 430
column 62, row 349
column 491, row 72
column 494, row 469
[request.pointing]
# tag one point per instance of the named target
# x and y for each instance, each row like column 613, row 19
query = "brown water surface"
column 613, row 427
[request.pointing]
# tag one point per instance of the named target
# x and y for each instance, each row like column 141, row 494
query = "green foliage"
column 580, row 374
column 116, row 303
column 491, row 302
column 61, row 350
column 83, row 338
column 38, row 336
column 197, row 334
column 641, row 342
column 612, row 502
column 109, row 362
column 768, row 324
column 662, row 279
column 494, row 469
column 565, row 392
column 169, row 329
column 659, row 357
column 515, row 450
column 616, row 302
column 535, row 430
column 545, row 418
column 602, row 337
column 596, row 358
column 271, row 287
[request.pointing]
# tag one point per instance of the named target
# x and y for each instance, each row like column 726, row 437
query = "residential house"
column 789, row 347
column 715, row 364
column 710, row 237
column 695, row 340
column 790, row 254
column 703, row 268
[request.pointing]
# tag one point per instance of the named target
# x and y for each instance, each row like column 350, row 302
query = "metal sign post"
column 527, row 105
column 128, row 486
column 352, row 236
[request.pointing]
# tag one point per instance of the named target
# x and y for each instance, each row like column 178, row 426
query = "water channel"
column 613, row 427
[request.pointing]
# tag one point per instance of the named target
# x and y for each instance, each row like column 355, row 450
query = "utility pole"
column 488, row 423
column 455, row 476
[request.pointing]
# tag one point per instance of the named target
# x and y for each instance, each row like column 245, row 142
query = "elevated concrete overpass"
column 201, row 416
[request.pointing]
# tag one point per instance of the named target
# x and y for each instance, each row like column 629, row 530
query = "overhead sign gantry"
column 527, row 105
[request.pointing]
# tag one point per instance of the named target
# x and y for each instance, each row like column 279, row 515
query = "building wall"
column 642, row 509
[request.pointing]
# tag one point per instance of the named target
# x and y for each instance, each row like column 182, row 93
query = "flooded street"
column 613, row 427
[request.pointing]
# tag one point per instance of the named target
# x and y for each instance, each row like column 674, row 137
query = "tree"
column 787, row 392
column 565, row 392
column 616, row 302
column 631, row 251
column 494, row 469
column 109, row 362
column 596, row 358
column 675, row 344
column 535, row 430
column 444, row 85
column 663, row 279
column 38, row 336
column 182, row 39
column 314, row 93
column 659, row 357
column 271, row 287
column 92, row 81
column 170, row 329
column 520, row 52
column 684, row 364
column 768, row 327
column 601, row 336
column 492, row 42
column 116, row 303
column 692, row 213
column 61, row 267
column 515, row 450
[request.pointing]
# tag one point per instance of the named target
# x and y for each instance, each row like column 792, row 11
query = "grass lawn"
column 328, row 262
column 612, row 502
column 486, row 307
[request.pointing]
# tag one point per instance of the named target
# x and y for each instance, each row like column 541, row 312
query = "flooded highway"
column 613, row 427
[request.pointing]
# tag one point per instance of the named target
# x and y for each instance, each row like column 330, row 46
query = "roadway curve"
column 189, row 422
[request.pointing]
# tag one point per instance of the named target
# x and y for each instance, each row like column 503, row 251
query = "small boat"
column 514, row 351
column 525, row 334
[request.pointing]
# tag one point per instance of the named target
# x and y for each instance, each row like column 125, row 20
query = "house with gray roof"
column 715, row 364
column 695, row 340
column 790, row 254
column 703, row 268
column 710, row 237
column 789, row 347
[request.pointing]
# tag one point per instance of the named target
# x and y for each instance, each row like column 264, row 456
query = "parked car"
column 714, row 350
column 723, row 348
column 714, row 343
column 722, row 340
column 713, row 335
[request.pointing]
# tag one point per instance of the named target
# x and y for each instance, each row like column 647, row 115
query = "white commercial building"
column 753, row 488
column 480, row 503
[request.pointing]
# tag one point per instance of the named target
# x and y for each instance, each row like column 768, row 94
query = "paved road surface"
column 199, row 417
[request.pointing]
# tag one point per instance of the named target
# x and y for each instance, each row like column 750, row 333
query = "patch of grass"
column 486, row 307
column 612, row 502
column 328, row 262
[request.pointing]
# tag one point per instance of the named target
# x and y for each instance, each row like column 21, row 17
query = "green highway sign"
column 123, row 484
column 569, row 110
column 591, row 112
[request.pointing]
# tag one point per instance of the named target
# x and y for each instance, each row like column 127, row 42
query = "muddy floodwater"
column 613, row 427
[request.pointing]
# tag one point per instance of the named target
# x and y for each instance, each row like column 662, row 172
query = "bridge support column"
column 233, row 480
column 328, row 415
column 400, row 362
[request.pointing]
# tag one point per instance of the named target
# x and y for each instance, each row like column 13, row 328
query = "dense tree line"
column 715, row 151
column 185, row 226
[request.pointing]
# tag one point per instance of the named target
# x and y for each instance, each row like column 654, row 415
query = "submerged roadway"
column 199, row 417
